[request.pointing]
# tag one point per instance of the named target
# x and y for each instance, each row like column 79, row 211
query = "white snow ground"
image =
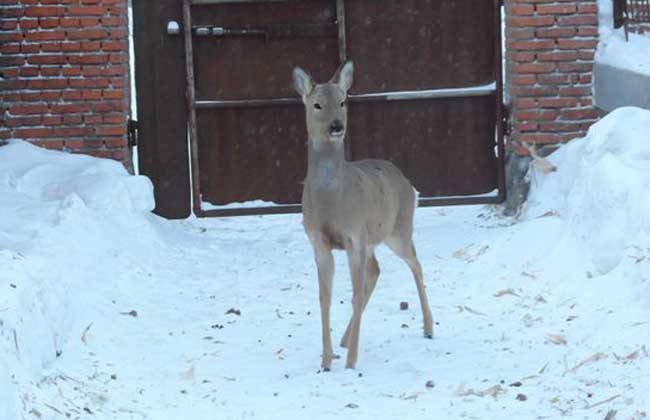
column 542, row 317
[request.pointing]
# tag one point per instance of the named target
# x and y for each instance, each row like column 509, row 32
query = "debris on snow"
column 85, row 333
column 465, row 308
column 493, row 391
column 504, row 292
column 539, row 163
column 632, row 356
column 589, row 360
column 557, row 339
column 465, row 255
column 410, row 396
column 608, row 400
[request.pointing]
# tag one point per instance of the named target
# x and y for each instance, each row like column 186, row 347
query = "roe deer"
column 353, row 206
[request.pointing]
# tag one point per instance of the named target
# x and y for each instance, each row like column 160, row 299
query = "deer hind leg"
column 325, row 265
column 372, row 273
column 402, row 245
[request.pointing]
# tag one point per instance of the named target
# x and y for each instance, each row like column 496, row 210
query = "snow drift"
column 602, row 187
column 62, row 216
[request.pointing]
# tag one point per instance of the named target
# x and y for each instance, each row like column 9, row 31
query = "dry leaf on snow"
column 493, row 391
column 558, row 339
column 504, row 292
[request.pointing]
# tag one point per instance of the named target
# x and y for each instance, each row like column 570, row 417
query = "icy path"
column 504, row 297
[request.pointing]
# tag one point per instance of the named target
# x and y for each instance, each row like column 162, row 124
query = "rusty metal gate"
column 426, row 95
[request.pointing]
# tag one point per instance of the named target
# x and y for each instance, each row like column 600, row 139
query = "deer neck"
column 325, row 165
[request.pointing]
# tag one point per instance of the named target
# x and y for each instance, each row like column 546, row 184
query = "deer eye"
column 317, row 106
column 344, row 103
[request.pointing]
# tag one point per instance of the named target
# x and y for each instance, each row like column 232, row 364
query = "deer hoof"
column 428, row 335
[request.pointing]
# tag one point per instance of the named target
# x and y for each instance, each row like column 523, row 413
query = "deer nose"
column 336, row 128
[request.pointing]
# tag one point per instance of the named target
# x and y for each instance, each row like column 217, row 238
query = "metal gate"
column 426, row 95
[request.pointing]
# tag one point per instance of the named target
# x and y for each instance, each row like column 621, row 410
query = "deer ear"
column 343, row 76
column 302, row 82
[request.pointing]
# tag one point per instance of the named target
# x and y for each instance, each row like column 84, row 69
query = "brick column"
column 550, row 51
column 65, row 70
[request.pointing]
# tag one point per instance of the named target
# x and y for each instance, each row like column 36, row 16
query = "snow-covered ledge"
column 621, row 68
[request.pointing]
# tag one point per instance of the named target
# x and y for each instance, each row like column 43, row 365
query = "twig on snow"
column 462, row 308
column 591, row 359
column 610, row 399
column 84, row 334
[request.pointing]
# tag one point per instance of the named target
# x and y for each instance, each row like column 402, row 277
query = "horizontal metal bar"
column 459, row 200
column 270, row 31
column 243, row 103
column 484, row 90
column 248, row 211
column 204, row 2
column 295, row 208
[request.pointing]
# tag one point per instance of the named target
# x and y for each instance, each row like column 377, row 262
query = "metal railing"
column 633, row 15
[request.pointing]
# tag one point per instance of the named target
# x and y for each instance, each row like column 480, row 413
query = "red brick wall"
column 550, row 50
column 65, row 66
column 65, row 70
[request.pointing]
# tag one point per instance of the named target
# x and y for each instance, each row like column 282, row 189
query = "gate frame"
column 192, row 105
column 159, row 79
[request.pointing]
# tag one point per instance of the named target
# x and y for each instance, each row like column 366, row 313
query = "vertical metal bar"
column 498, row 77
column 190, row 96
column 340, row 19
column 343, row 56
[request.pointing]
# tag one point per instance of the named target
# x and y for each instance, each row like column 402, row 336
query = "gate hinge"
column 132, row 132
column 505, row 120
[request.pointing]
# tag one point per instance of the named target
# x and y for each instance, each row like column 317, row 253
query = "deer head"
column 325, row 105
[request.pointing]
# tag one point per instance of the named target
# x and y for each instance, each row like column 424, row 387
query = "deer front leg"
column 372, row 273
column 325, row 265
column 357, row 262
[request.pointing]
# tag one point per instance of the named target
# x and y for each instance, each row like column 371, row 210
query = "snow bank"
column 62, row 218
column 602, row 187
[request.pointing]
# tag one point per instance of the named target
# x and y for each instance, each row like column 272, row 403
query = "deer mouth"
column 337, row 130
